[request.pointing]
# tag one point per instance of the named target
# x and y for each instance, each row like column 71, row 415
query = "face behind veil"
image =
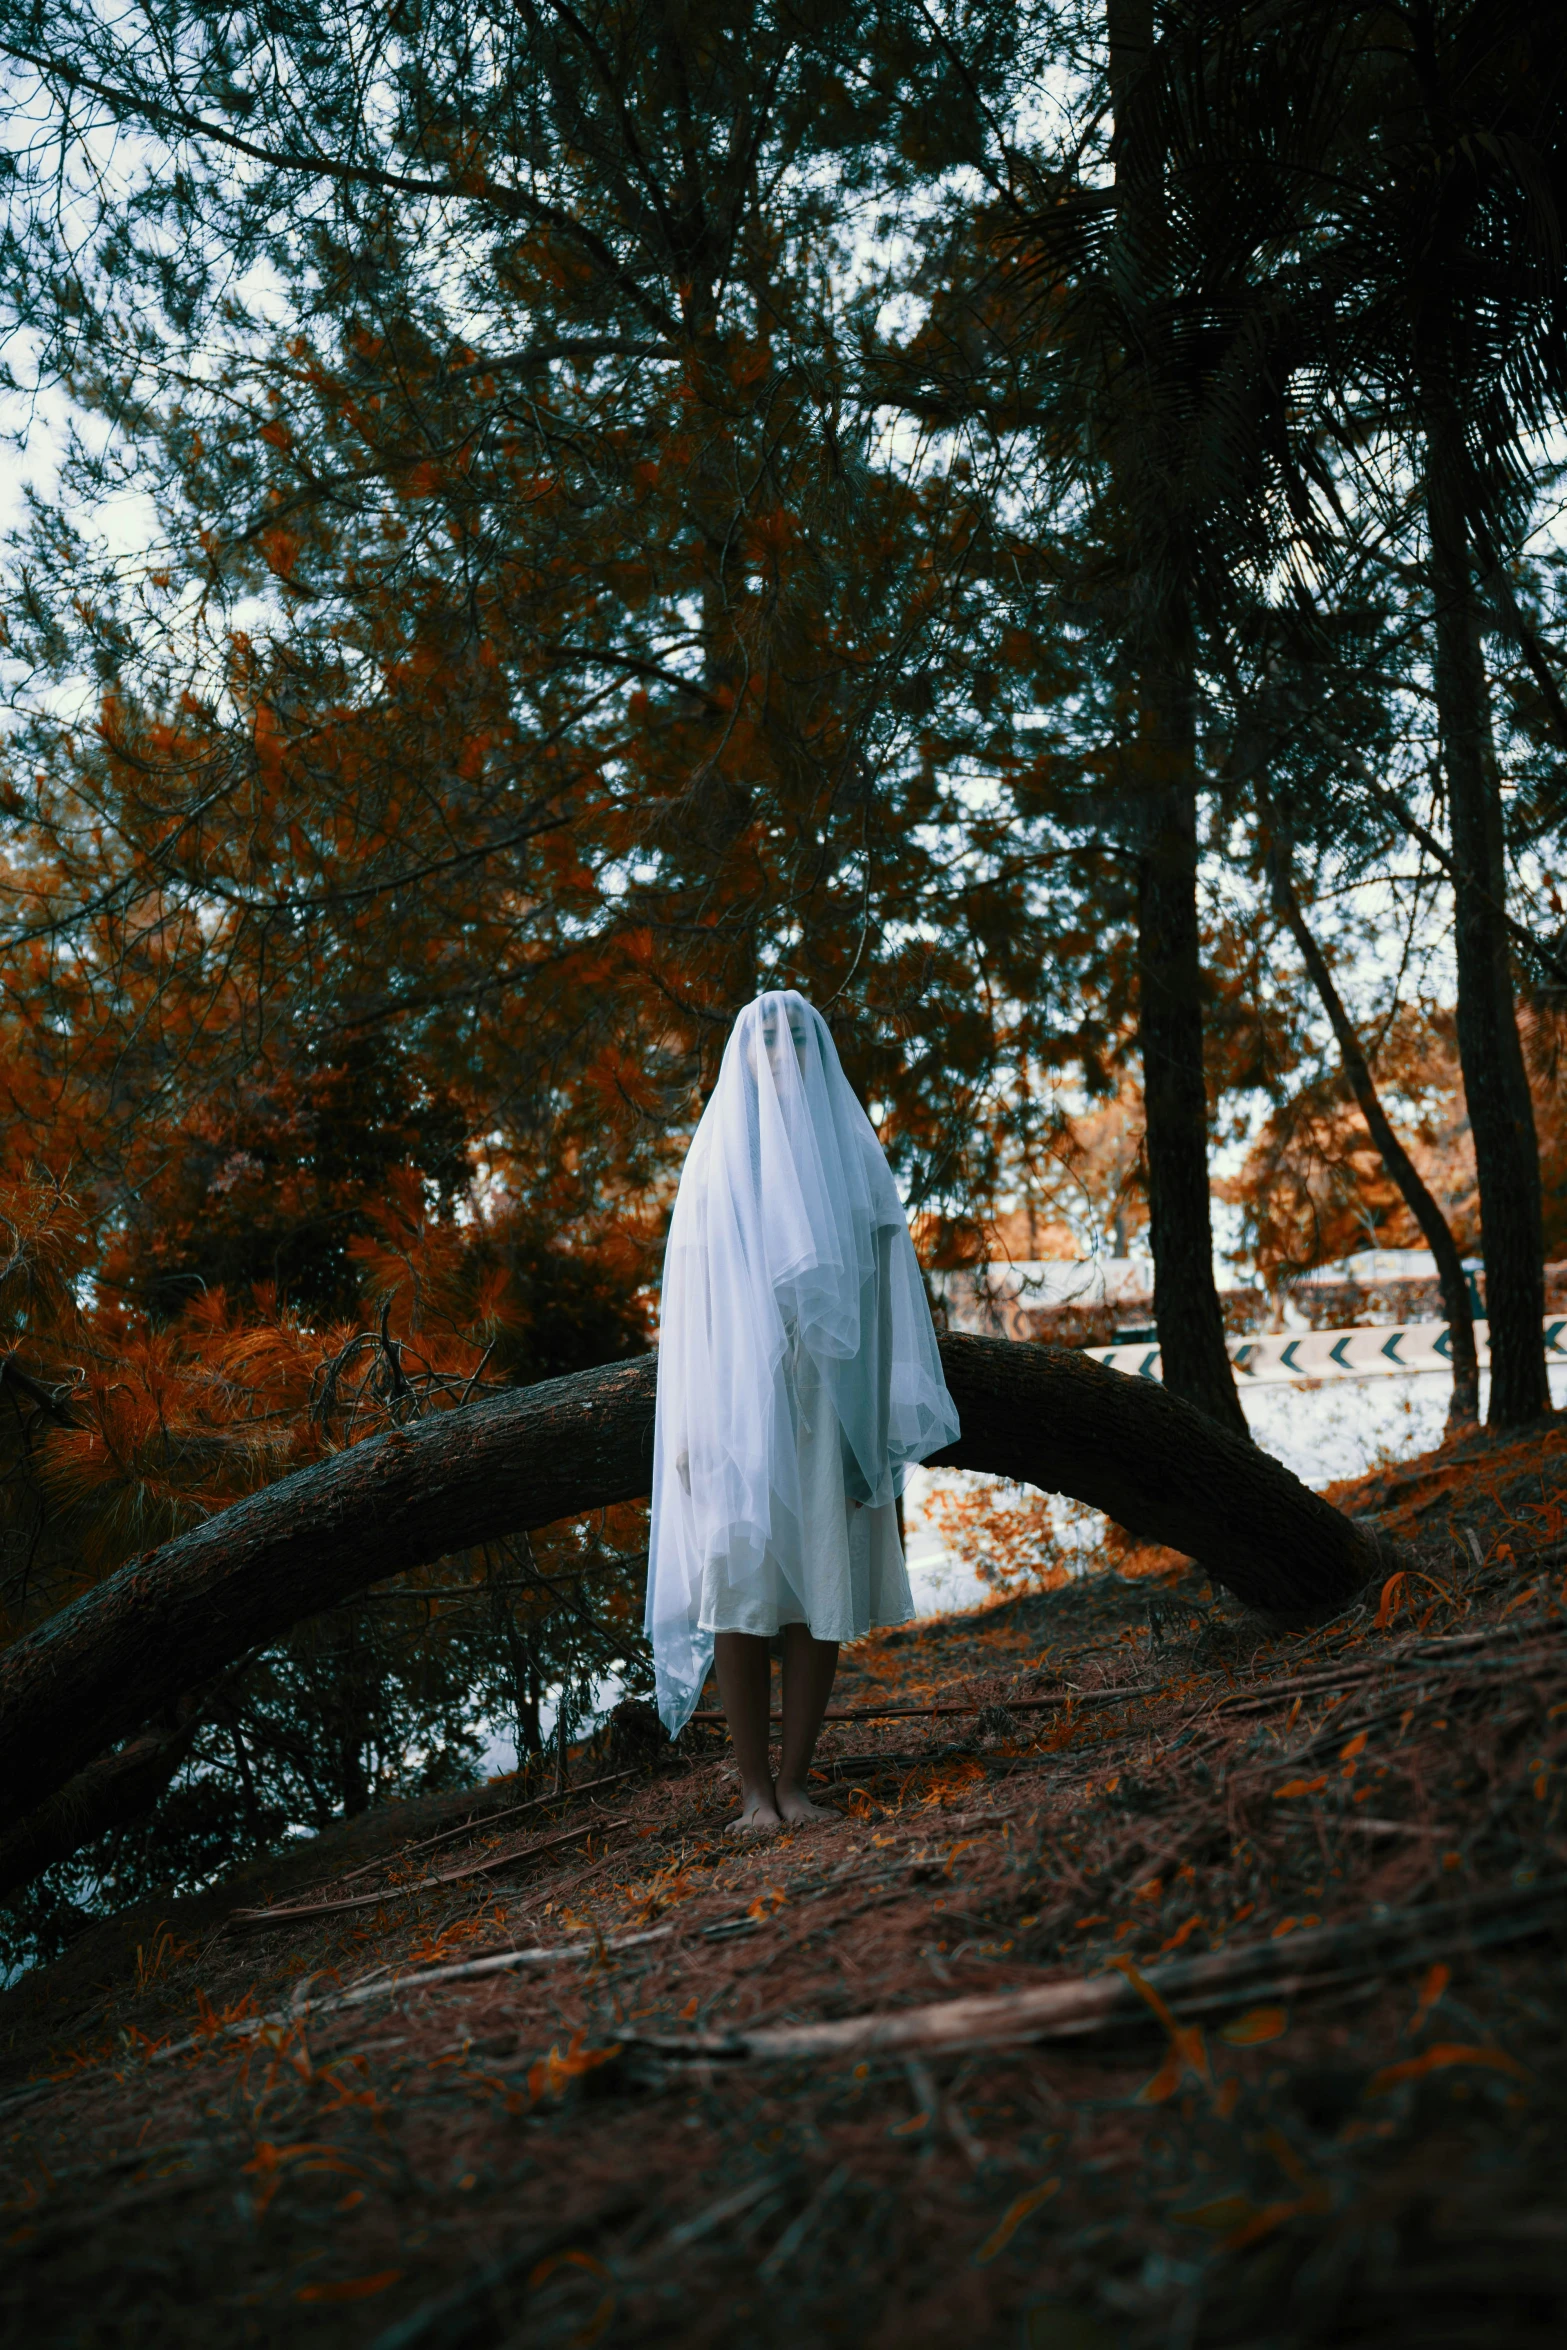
column 788, row 1241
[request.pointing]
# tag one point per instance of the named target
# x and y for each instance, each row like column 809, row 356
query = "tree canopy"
column 542, row 521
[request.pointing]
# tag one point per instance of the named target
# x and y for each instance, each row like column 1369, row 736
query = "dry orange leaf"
column 350, row 2288
column 1255, row 2026
column 1433, row 1984
column 1438, row 2059
column 1273, row 2215
column 1012, row 2219
column 1389, row 1602
column 1222, row 2214
column 1188, row 2056
column 1182, row 1935
column 553, row 2074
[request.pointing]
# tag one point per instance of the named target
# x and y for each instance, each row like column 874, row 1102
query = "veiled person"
column 798, row 1381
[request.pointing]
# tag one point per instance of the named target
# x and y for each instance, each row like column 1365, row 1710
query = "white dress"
column 798, row 1372
column 838, row 1568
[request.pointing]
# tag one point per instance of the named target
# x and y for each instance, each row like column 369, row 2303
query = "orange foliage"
column 1314, row 1187
column 128, row 1431
column 1010, row 1534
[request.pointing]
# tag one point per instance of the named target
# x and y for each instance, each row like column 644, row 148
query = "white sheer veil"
column 787, row 1235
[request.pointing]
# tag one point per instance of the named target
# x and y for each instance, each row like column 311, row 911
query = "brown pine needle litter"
column 1216, row 2001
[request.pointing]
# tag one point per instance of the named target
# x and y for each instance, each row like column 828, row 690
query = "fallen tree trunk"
column 102, row 1667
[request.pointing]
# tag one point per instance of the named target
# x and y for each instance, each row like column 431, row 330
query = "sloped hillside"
column 1165, row 1981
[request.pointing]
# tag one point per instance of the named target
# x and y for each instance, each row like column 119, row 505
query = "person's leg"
column 809, row 1666
column 745, row 1687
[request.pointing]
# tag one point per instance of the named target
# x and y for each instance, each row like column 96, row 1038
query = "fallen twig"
column 841, row 1766
column 1496, row 1636
column 477, row 1868
column 962, row 1822
column 836, row 1766
column 1013, row 1705
column 498, row 1962
column 1423, row 1661
column 713, row 2215
column 1361, row 1824
column 476, row 1824
column 1314, row 1960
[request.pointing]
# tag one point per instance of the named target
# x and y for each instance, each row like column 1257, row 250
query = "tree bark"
column 96, row 1671
column 116, row 1788
column 1147, row 461
column 1496, row 1085
column 1194, row 1359
column 1464, row 1410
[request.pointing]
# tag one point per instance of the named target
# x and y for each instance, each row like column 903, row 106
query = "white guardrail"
column 1282, row 1358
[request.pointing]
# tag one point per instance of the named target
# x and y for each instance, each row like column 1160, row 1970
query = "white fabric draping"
column 792, row 1306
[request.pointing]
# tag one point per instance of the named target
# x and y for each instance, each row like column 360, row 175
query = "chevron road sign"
column 1281, row 1358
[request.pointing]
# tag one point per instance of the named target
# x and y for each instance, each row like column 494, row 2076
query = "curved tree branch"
column 101, row 1668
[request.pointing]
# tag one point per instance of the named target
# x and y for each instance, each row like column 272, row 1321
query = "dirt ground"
column 1330, row 1867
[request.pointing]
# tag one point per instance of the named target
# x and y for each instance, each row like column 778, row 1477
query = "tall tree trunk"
column 247, row 1777
column 1196, row 1363
column 100, row 1668
column 350, row 1721
column 1496, row 1086
column 524, row 1672
column 1464, row 1409
column 1194, row 1360
column 525, row 1691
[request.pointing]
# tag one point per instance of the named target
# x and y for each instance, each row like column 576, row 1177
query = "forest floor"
column 1217, row 2000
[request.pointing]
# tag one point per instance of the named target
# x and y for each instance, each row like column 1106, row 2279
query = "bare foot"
column 796, row 1809
column 758, row 1817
